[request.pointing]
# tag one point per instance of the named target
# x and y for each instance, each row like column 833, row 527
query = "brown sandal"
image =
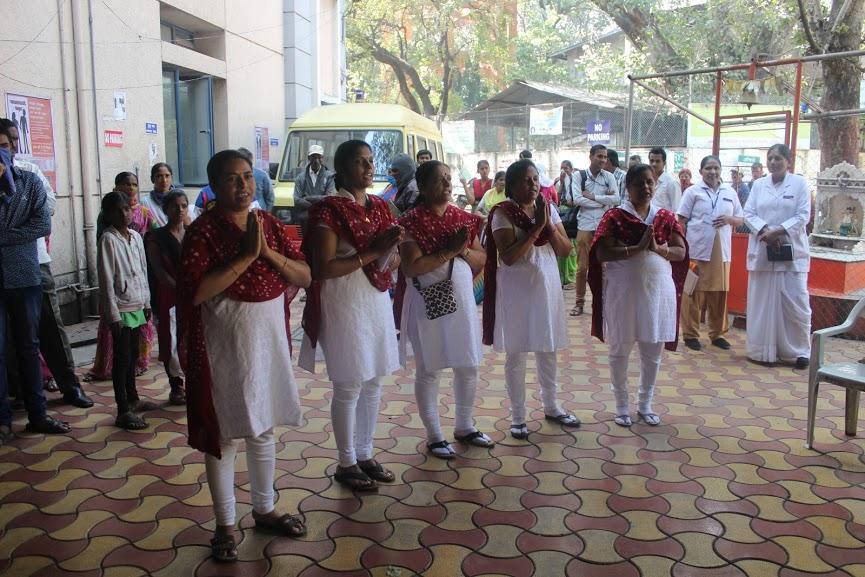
column 223, row 549
column 355, row 479
column 286, row 525
column 375, row 471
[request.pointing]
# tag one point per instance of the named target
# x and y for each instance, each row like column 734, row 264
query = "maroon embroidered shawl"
column 432, row 232
column 359, row 226
column 521, row 220
column 622, row 225
column 211, row 241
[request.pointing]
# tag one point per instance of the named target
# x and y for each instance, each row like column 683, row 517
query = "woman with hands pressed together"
column 523, row 301
column 351, row 244
column 442, row 243
column 238, row 274
column 638, row 289
column 779, row 311
column 709, row 211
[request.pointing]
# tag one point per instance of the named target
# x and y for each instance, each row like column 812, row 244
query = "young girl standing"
column 124, row 303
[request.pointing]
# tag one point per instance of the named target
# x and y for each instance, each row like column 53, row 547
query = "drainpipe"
column 67, row 123
column 89, row 180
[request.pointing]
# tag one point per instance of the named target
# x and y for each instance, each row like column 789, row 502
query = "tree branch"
column 808, row 23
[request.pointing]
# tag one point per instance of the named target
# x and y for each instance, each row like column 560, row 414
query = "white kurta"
column 779, row 310
column 639, row 296
column 357, row 332
column 250, row 366
column 450, row 341
column 530, row 305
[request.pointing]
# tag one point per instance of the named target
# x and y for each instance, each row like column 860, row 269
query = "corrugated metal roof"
column 526, row 92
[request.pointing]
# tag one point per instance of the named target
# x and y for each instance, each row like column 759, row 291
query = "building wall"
column 244, row 53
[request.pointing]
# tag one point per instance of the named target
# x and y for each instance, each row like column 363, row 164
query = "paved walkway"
column 724, row 487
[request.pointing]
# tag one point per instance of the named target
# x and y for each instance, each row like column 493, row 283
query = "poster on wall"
column 119, row 106
column 262, row 148
column 33, row 118
column 543, row 122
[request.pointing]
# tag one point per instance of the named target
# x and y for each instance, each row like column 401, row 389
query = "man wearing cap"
column 314, row 181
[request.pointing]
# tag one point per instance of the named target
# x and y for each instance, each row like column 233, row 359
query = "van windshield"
column 385, row 144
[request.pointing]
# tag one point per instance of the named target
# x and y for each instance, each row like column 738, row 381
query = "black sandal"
column 475, row 438
column 286, row 525
column 47, row 426
column 130, row 421
column 355, row 479
column 223, row 549
column 520, row 431
column 375, row 471
column 565, row 419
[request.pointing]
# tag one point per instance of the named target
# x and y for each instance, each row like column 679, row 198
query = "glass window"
column 385, row 144
column 195, row 125
column 441, row 155
column 421, row 143
column 184, row 38
column 169, row 108
column 411, row 147
column 165, row 32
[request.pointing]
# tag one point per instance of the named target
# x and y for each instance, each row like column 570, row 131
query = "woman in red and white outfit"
column 442, row 242
column 351, row 244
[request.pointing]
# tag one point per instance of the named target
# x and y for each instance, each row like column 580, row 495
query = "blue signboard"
column 150, row 127
column 598, row 132
column 274, row 142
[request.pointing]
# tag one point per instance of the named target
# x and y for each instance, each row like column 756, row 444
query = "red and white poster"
column 262, row 148
column 33, row 118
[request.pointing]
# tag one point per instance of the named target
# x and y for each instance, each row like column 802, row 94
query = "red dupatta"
column 212, row 241
column 521, row 220
column 622, row 225
column 359, row 226
column 432, row 232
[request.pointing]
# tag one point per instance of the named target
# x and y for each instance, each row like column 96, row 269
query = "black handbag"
column 438, row 298
column 782, row 253
column 569, row 217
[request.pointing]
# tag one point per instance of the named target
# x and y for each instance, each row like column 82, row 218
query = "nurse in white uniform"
column 779, row 311
column 709, row 211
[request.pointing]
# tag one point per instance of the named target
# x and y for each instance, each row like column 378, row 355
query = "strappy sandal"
column 623, row 420
column 520, row 431
column 442, row 450
column 223, row 549
column 376, row 472
column 475, row 438
column 576, row 311
column 130, row 421
column 651, row 419
column 565, row 419
column 286, row 525
column 355, row 479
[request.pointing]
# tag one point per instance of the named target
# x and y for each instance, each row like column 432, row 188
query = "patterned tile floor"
column 724, row 487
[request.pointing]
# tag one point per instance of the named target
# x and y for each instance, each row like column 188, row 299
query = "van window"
column 421, row 143
column 385, row 144
column 411, row 147
column 439, row 149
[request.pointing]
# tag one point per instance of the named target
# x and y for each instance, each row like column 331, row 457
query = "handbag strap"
column 416, row 283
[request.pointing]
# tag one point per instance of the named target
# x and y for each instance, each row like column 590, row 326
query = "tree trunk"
column 840, row 137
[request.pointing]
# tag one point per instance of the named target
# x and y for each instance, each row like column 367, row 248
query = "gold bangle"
column 359, row 259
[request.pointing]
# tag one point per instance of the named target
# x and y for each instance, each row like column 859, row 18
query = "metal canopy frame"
column 790, row 118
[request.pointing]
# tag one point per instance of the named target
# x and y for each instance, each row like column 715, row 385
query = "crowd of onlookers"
column 388, row 278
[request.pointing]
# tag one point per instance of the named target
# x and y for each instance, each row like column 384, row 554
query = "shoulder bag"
column 438, row 298
column 569, row 217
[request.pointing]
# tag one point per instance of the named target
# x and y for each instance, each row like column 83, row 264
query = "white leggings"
column 173, row 368
column 426, row 390
column 515, row 379
column 261, row 461
column 650, row 362
column 353, row 413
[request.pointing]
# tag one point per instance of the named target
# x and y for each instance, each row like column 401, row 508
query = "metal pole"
column 673, row 102
column 528, row 127
column 768, row 63
column 629, row 119
column 797, row 98
column 716, row 132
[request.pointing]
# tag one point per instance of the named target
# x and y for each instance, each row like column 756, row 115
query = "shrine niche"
column 840, row 206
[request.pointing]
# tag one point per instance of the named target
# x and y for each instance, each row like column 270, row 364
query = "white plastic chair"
column 850, row 375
